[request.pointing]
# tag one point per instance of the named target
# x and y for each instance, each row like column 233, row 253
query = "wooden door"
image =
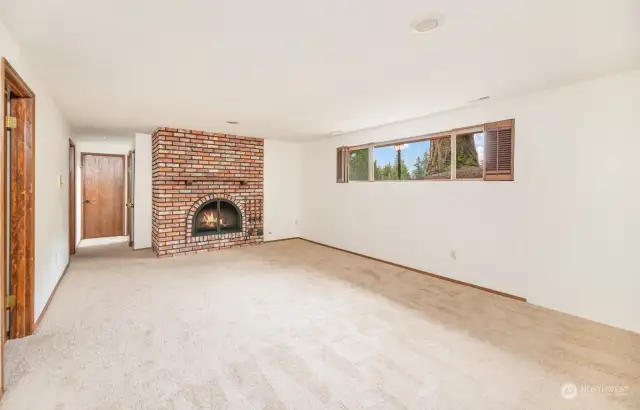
column 103, row 195
column 130, row 194
column 21, row 191
column 72, row 198
column 17, row 172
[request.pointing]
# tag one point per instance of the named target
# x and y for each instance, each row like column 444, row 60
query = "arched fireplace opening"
column 217, row 216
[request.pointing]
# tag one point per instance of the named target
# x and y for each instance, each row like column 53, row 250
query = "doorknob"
column 86, row 201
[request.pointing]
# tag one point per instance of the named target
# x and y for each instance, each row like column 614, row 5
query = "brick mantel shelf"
column 190, row 181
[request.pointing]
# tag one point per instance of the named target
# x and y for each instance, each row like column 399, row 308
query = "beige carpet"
column 292, row 325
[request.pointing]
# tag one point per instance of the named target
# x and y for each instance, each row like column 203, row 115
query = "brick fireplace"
column 207, row 191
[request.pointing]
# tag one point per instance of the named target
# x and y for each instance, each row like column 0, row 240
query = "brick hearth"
column 192, row 167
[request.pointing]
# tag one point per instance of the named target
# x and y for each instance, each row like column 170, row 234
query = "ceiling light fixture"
column 426, row 25
column 233, row 122
column 334, row 133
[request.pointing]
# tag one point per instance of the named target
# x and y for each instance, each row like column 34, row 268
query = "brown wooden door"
column 72, row 198
column 103, row 195
column 21, row 247
column 130, row 186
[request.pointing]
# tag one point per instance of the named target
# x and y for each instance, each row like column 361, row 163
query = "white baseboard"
column 102, row 241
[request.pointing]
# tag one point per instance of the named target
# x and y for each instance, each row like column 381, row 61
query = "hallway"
column 295, row 325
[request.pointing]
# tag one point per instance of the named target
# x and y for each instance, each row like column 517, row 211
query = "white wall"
column 563, row 234
column 51, row 156
column 96, row 144
column 281, row 189
column 142, row 192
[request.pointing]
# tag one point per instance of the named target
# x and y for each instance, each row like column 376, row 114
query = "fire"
column 210, row 219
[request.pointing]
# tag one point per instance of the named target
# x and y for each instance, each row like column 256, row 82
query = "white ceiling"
column 301, row 69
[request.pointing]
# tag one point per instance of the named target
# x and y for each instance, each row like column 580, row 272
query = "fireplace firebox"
column 217, row 216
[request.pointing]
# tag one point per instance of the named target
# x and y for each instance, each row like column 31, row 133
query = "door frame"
column 10, row 79
column 124, row 187
column 130, row 194
column 72, row 198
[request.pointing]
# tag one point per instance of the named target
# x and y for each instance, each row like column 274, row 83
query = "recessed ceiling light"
column 233, row 122
column 426, row 25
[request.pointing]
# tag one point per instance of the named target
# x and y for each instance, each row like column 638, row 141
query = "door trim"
column 10, row 79
column 130, row 200
column 124, row 185
column 72, row 198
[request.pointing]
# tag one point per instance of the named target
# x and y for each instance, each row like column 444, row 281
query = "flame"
column 210, row 219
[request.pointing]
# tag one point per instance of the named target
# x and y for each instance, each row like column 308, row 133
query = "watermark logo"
column 570, row 391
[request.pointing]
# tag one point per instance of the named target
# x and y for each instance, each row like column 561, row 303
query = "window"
column 359, row 164
column 483, row 152
column 385, row 164
column 427, row 159
column 438, row 164
column 470, row 155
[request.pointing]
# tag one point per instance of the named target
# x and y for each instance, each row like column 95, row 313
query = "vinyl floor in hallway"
column 293, row 325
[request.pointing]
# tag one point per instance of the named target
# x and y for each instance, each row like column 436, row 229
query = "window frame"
column 452, row 134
